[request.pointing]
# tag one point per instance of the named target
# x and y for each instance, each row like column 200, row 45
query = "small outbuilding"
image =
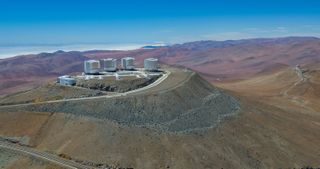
column 66, row 80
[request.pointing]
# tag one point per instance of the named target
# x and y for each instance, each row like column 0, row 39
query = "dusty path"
column 55, row 159
column 300, row 101
column 43, row 156
column 170, row 80
column 140, row 90
column 166, row 82
column 302, row 79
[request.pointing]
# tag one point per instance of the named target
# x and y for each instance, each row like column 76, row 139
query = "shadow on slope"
column 194, row 104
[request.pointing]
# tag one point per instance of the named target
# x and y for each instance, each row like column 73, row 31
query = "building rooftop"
column 152, row 59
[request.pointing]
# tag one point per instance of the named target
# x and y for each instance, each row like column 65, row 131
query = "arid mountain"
column 276, row 125
column 23, row 72
column 216, row 60
column 244, row 58
column 42, row 64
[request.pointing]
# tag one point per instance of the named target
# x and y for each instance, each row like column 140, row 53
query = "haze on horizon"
column 97, row 21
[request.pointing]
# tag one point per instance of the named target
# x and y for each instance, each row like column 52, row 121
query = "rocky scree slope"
column 112, row 85
column 193, row 105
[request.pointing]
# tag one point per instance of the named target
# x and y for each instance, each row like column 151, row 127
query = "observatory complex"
column 109, row 67
column 151, row 64
column 127, row 63
column 92, row 67
column 66, row 80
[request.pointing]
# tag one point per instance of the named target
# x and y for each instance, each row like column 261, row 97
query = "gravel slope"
column 194, row 104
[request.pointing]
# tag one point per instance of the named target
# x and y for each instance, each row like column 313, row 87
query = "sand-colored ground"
column 13, row 160
column 23, row 125
column 273, row 130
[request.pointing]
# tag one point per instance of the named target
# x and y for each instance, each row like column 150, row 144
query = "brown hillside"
column 277, row 126
column 226, row 60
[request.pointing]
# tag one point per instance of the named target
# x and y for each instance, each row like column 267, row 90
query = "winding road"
column 302, row 78
column 154, row 84
column 58, row 160
column 43, row 156
column 175, row 80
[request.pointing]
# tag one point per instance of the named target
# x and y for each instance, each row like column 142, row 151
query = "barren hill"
column 272, row 130
column 216, row 60
column 183, row 102
column 185, row 122
column 109, row 130
column 24, row 72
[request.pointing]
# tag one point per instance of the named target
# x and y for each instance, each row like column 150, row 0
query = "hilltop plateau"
column 239, row 104
column 215, row 60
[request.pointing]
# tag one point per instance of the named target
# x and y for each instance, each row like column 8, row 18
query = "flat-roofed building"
column 66, row 80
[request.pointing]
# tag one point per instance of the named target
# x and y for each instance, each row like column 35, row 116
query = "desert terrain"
column 263, row 114
column 215, row 60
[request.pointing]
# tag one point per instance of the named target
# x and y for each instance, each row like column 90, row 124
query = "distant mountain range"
column 216, row 60
column 154, row 46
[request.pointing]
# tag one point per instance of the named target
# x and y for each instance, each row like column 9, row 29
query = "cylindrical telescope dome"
column 91, row 67
column 127, row 63
column 109, row 64
column 151, row 64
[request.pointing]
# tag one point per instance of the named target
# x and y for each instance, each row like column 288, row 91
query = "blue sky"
column 175, row 21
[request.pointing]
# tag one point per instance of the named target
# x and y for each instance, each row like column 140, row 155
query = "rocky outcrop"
column 194, row 104
column 116, row 85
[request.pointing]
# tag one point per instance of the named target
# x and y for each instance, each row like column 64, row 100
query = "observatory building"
column 127, row 63
column 109, row 64
column 151, row 64
column 91, row 67
column 66, row 80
